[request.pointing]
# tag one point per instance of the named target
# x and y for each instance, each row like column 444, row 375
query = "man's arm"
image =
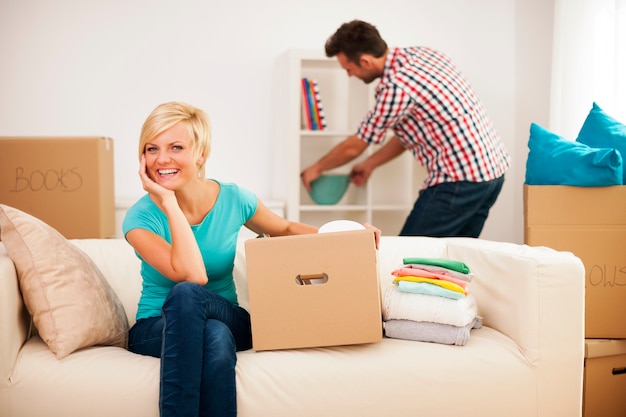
column 341, row 154
column 390, row 150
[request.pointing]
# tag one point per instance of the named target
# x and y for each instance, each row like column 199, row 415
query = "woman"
column 185, row 233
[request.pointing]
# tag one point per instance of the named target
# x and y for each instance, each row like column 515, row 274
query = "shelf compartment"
column 345, row 99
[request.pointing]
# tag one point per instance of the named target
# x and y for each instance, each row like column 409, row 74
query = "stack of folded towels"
column 430, row 302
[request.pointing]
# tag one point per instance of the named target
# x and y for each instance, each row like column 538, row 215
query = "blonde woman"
column 185, row 230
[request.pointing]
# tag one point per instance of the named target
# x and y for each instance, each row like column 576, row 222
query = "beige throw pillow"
column 71, row 303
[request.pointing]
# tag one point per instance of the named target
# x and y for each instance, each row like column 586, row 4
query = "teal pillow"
column 603, row 131
column 554, row 160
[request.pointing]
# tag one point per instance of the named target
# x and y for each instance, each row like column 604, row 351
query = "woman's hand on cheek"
column 149, row 184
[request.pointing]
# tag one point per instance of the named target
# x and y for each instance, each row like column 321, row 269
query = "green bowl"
column 330, row 188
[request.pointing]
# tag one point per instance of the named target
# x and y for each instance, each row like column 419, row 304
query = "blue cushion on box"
column 603, row 131
column 554, row 160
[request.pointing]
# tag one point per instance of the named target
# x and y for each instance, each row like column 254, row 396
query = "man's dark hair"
column 354, row 39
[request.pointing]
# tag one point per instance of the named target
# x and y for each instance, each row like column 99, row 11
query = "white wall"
column 533, row 67
column 86, row 67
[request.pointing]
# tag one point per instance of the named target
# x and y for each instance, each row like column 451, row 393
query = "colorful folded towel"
column 417, row 272
column 434, row 281
column 428, row 289
column 445, row 263
column 443, row 271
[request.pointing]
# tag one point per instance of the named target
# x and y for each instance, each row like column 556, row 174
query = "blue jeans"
column 196, row 338
column 452, row 209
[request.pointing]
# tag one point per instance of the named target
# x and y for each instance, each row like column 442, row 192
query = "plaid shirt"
column 435, row 114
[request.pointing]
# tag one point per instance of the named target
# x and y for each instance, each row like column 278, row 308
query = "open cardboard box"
column 314, row 290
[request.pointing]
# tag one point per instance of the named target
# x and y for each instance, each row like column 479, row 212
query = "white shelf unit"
column 388, row 196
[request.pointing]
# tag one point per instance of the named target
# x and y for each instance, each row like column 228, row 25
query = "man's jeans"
column 452, row 209
column 196, row 338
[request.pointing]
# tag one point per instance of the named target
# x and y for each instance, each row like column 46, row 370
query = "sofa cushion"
column 71, row 303
column 554, row 160
column 600, row 130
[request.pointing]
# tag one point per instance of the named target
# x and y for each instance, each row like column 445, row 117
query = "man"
column 433, row 113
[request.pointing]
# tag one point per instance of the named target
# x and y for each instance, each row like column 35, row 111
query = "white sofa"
column 526, row 360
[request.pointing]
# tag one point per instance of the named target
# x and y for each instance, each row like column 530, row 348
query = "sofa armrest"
column 14, row 319
column 534, row 295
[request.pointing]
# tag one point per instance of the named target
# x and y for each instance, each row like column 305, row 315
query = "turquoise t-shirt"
column 216, row 236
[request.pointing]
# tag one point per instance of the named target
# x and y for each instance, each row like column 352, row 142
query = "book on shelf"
column 311, row 101
column 321, row 117
column 306, row 112
column 313, row 117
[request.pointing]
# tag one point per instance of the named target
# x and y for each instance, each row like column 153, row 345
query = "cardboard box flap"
column 596, row 348
column 561, row 205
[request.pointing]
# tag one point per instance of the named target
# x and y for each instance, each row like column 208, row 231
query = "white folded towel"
column 425, row 331
column 399, row 305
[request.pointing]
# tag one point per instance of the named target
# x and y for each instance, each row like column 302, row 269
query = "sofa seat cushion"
column 425, row 379
column 40, row 380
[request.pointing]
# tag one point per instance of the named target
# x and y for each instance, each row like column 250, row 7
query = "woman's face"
column 170, row 158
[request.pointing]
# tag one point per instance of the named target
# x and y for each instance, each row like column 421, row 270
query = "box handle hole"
column 311, row 279
column 618, row 371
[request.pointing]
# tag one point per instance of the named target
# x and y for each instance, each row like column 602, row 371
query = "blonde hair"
column 167, row 115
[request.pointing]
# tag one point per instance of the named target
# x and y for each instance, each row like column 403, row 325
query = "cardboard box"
column 590, row 222
column 66, row 182
column 314, row 290
column 605, row 378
